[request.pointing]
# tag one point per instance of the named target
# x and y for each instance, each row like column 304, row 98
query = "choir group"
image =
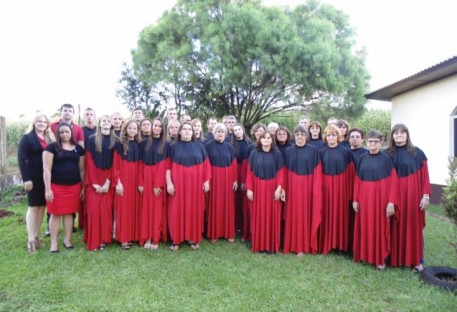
column 309, row 190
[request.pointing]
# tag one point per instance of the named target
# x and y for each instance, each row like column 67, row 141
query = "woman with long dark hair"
column 410, row 163
column 151, row 181
column 63, row 171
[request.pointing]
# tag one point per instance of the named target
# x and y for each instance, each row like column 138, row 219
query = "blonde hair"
column 48, row 134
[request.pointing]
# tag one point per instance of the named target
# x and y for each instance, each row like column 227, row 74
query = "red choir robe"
column 413, row 183
column 151, row 174
column 375, row 186
column 337, row 189
column 303, row 187
column 221, row 204
column 189, row 168
column 99, row 206
column 265, row 173
column 241, row 201
column 127, row 210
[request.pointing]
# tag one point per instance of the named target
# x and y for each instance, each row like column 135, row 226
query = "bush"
column 449, row 197
column 14, row 132
column 374, row 120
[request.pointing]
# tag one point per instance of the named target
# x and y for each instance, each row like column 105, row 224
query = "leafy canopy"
column 213, row 57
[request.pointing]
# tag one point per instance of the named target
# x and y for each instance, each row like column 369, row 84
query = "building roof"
column 429, row 75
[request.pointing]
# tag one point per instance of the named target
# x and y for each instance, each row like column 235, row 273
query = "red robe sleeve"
column 426, row 189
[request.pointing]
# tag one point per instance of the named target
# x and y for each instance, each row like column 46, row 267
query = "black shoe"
column 47, row 233
column 74, row 229
column 68, row 246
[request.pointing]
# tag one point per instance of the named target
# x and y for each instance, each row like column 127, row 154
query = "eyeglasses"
column 355, row 137
column 298, row 134
column 373, row 141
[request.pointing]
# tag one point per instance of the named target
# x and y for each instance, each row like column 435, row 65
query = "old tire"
column 443, row 277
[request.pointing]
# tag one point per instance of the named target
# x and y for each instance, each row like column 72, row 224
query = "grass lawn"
column 218, row 277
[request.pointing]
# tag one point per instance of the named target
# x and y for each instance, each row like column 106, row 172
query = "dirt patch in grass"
column 4, row 213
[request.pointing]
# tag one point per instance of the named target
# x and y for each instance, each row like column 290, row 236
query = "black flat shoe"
column 68, row 246
column 54, row 251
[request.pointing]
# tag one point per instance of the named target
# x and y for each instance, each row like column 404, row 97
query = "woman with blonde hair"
column 30, row 150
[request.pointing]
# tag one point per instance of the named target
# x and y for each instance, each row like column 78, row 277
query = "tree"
column 241, row 58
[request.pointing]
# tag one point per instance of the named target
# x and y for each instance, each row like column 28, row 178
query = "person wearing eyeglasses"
column 302, row 195
column 410, row 163
column 375, row 194
column 337, row 187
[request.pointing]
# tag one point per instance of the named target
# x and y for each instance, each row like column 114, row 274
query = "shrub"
column 449, row 197
column 14, row 132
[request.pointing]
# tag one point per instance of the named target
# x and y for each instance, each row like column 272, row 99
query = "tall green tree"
column 242, row 58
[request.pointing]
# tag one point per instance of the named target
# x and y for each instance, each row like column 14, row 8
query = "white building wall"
column 426, row 111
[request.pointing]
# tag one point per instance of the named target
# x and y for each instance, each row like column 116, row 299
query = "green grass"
column 218, row 277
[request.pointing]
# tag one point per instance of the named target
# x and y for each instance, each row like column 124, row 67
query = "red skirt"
column 66, row 199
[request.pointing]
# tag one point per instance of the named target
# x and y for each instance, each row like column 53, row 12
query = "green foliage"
column 449, row 197
column 241, row 58
column 374, row 120
column 14, row 132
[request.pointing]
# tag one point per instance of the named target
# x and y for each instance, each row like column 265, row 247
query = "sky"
column 55, row 51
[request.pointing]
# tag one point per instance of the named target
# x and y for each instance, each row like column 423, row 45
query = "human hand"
column 390, row 210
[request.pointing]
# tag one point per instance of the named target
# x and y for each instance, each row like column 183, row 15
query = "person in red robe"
column 99, row 193
column 125, row 180
column 241, row 144
column 337, row 188
column 375, row 194
column 151, row 181
column 221, row 203
column 303, row 195
column 188, row 177
column 264, row 181
column 411, row 166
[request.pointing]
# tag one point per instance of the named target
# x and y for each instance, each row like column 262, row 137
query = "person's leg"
column 68, row 226
column 48, row 217
column 54, row 223
column 38, row 221
column 30, row 224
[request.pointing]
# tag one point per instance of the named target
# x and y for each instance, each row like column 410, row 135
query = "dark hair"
column 258, row 145
column 374, row 134
column 138, row 108
column 300, row 128
column 362, row 134
column 234, row 141
column 409, row 145
column 162, row 136
column 315, row 124
column 282, row 128
column 141, row 122
column 178, row 137
column 255, row 128
column 58, row 141
column 67, row 106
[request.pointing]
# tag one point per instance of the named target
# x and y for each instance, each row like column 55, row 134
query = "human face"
column 157, row 129
column 259, row 132
column 304, row 122
column 355, row 139
column 146, row 127
column 41, row 124
column 137, row 115
column 300, row 139
column 220, row 135
column 332, row 121
column 400, row 137
column 282, row 136
column 266, row 141
column 211, row 124
column 374, row 145
column 89, row 117
column 315, row 131
column 171, row 115
column 238, row 132
column 105, row 123
column 67, row 113
column 197, row 129
column 132, row 130
column 230, row 123
column 186, row 133
column 273, row 128
column 65, row 134
column 173, row 130
column 343, row 130
column 117, row 120
column 332, row 139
